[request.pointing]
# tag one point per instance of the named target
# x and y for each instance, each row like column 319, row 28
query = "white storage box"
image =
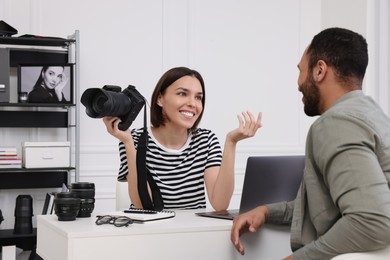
column 46, row 154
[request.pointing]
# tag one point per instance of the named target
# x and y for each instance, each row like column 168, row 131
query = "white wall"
column 247, row 52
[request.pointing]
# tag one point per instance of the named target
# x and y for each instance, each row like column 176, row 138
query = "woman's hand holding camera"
column 112, row 123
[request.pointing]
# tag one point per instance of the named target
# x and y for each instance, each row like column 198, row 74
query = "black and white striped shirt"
column 178, row 173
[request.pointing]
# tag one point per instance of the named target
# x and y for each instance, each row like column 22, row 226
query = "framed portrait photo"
column 45, row 83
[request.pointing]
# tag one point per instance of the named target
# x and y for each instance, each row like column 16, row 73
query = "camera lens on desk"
column 66, row 206
column 23, row 215
column 86, row 192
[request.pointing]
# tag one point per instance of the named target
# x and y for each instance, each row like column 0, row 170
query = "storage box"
column 46, row 154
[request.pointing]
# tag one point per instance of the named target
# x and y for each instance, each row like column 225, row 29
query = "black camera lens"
column 86, row 192
column 23, row 215
column 100, row 103
column 66, row 206
column 23, row 207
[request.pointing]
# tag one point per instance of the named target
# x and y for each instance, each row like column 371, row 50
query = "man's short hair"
column 343, row 50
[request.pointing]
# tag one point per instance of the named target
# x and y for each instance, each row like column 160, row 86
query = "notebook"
column 148, row 215
column 268, row 179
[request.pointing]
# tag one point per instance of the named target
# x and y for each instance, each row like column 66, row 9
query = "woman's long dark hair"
column 39, row 81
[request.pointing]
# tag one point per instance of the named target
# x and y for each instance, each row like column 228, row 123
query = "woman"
column 49, row 86
column 182, row 158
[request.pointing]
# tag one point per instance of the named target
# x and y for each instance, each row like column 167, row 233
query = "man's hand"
column 250, row 221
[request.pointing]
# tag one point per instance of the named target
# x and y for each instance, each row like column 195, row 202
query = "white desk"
column 186, row 236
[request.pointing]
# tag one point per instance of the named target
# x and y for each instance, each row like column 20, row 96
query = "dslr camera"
column 110, row 101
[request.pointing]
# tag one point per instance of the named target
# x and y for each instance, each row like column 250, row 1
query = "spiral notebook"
column 148, row 215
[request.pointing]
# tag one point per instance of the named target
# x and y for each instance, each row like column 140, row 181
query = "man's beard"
column 311, row 96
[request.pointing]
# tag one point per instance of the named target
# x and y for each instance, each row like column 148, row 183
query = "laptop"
column 268, row 179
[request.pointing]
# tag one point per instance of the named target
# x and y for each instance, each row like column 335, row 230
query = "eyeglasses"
column 118, row 221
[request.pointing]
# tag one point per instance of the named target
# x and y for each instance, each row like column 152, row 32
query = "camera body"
column 110, row 101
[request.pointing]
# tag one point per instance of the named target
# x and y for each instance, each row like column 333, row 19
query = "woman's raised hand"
column 248, row 126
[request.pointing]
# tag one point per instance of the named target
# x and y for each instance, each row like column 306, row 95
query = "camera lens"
column 100, row 103
column 66, row 206
column 86, row 192
column 23, row 215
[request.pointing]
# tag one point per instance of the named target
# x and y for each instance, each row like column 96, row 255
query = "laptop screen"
column 270, row 179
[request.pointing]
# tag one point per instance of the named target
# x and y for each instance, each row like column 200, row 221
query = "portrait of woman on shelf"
column 52, row 83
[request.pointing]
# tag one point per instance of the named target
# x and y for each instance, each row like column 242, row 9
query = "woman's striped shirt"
column 178, row 173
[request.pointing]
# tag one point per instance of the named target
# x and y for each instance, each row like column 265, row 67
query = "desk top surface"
column 184, row 221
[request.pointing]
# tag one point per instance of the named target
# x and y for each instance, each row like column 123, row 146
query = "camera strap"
column 144, row 177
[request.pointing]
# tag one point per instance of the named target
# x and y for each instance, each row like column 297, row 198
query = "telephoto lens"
column 66, row 206
column 86, row 192
column 23, row 215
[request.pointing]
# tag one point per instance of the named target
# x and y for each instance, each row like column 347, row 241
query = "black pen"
column 140, row 211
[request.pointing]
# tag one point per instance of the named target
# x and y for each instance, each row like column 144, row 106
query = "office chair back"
column 122, row 200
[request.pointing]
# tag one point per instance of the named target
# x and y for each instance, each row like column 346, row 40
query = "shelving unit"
column 32, row 116
column 25, row 241
column 40, row 50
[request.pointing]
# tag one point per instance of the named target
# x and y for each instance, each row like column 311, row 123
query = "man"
column 343, row 204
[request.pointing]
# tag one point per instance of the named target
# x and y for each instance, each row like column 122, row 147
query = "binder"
column 48, row 206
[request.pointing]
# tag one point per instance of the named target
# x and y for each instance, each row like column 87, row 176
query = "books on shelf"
column 9, row 158
column 10, row 166
column 10, row 161
column 48, row 206
column 8, row 151
column 148, row 215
